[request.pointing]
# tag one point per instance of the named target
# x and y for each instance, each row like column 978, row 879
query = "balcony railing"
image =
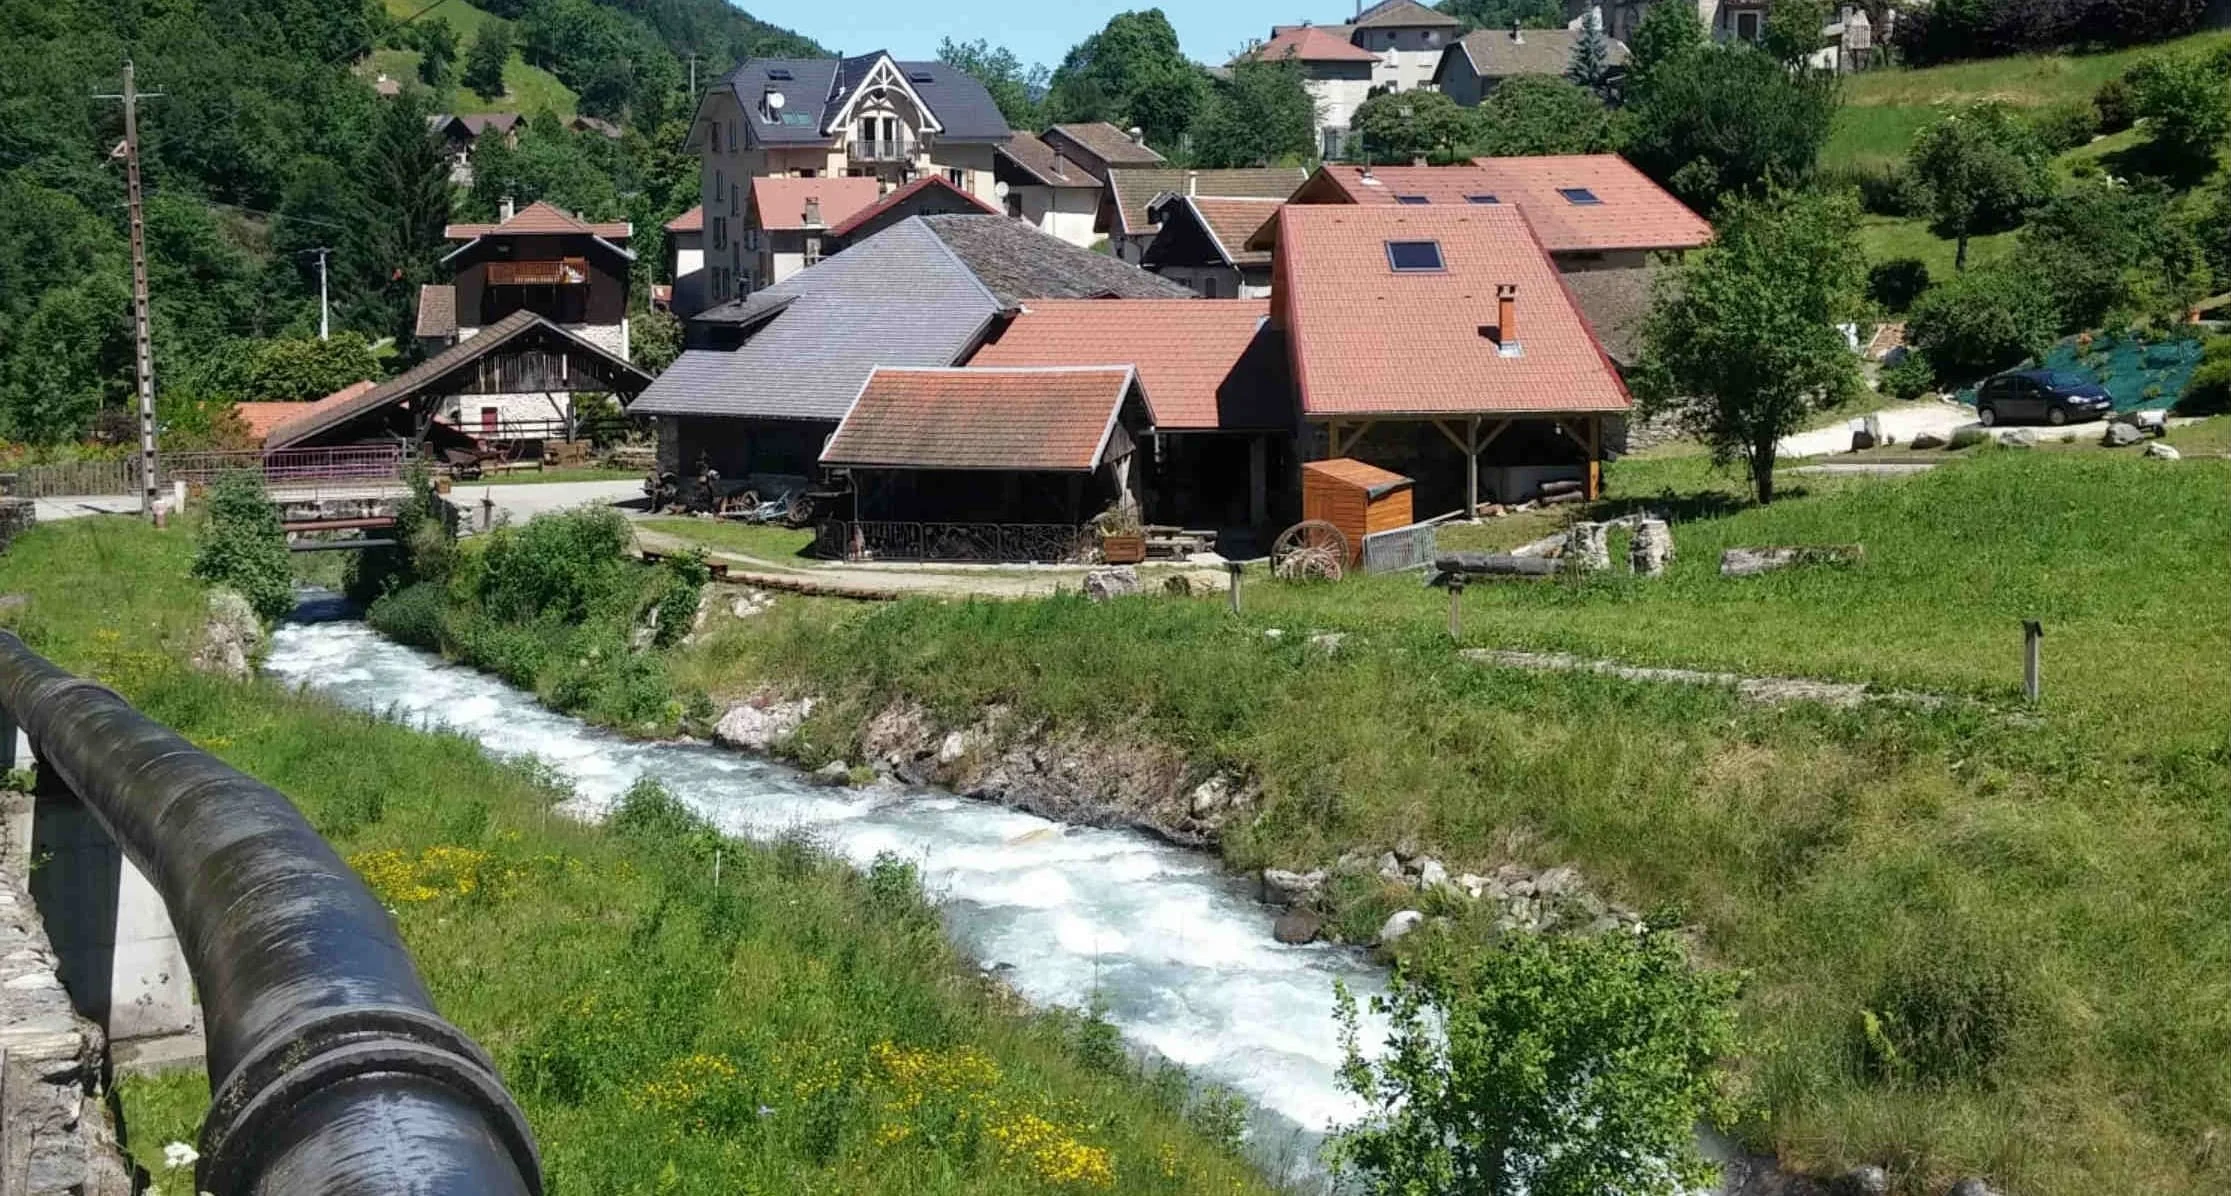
column 882, row 149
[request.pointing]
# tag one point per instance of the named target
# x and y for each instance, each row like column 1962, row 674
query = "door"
column 2028, row 398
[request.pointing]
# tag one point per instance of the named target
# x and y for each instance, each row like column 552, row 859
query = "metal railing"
column 986, row 543
column 119, row 476
column 366, row 463
column 1400, row 548
column 881, row 149
column 330, row 1070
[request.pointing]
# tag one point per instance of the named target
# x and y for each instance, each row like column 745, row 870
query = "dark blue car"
column 2041, row 396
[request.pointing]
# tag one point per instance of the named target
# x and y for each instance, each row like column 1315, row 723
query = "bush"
column 1884, row 189
column 2112, row 105
column 1911, row 378
column 679, row 596
column 1941, row 1017
column 569, row 566
column 1893, row 285
column 244, row 545
column 2208, row 392
column 1981, row 322
column 2064, row 127
column 411, row 615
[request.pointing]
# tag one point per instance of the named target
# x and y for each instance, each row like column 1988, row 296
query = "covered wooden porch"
column 1504, row 457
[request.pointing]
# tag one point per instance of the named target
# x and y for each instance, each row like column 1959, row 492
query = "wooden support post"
column 2033, row 680
column 1456, row 608
column 1236, row 570
column 1595, row 486
column 1472, row 470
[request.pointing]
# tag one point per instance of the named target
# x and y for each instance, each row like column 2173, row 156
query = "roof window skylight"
column 1481, row 199
column 1414, row 257
column 1578, row 196
column 1411, row 199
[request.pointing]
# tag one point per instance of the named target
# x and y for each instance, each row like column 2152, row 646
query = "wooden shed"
column 1358, row 499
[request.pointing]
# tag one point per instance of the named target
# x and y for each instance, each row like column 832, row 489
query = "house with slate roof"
column 767, row 377
column 1473, row 65
column 1042, row 184
column 864, row 117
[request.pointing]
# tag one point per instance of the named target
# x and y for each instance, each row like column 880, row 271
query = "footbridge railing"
column 330, row 1070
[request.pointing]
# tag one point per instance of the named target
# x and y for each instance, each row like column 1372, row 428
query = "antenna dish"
column 774, row 100
column 999, row 191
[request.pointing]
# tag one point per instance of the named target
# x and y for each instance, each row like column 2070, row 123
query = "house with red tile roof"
column 787, row 222
column 1220, row 404
column 1338, row 73
column 1201, row 241
column 261, row 419
column 1033, row 446
column 1439, row 341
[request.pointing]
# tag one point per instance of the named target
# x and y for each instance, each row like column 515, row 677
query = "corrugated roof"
column 1311, row 43
column 1367, row 340
column 1133, row 190
column 1631, row 212
column 1204, row 364
column 780, row 203
column 1046, row 164
column 437, row 311
column 1017, row 261
column 1403, row 14
column 1039, row 419
column 1108, row 143
column 1495, row 54
column 542, row 218
column 921, row 191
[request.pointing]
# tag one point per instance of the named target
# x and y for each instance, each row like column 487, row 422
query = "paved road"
column 75, row 506
column 525, row 500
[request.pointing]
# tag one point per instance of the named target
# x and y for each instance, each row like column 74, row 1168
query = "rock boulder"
column 1651, row 548
column 1119, row 581
column 1400, row 924
column 1300, row 926
column 2162, row 452
column 1281, row 887
column 228, row 641
column 760, row 727
column 2119, row 434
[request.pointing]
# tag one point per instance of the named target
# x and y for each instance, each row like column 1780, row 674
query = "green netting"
column 2139, row 375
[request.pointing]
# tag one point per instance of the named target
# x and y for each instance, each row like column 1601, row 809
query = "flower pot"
column 1123, row 550
column 441, row 485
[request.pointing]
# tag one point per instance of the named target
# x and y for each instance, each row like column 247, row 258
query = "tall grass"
column 1982, row 940
column 789, row 1027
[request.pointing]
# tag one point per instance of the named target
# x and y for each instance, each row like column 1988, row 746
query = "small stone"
column 835, row 772
column 2119, row 435
column 1281, row 887
column 1119, row 581
column 1272, row 633
column 1390, row 866
column 2018, row 438
column 1472, row 885
column 1972, row 1186
column 2162, row 452
column 1327, row 642
column 1867, row 1179
column 955, row 745
column 1968, row 435
column 1402, row 923
column 1558, row 882
column 1300, row 926
column 1927, row 440
column 1431, row 875
column 1210, row 797
column 1354, row 862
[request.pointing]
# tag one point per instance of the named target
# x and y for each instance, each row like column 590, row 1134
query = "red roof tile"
column 1200, row 361
column 1052, row 419
column 542, row 218
column 1308, row 43
column 1232, row 222
column 927, row 182
column 781, row 203
column 1367, row 340
column 692, row 221
column 1632, row 212
column 264, row 418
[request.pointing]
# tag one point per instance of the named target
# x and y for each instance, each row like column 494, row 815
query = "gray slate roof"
column 1018, row 262
column 1615, row 303
column 810, row 94
column 919, row 293
column 1539, row 52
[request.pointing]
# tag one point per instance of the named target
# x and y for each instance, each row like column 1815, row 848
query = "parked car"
column 2054, row 397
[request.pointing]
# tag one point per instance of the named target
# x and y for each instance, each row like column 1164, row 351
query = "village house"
column 1438, row 342
column 787, row 221
column 869, row 117
column 930, row 195
column 1127, row 219
column 461, row 133
column 1337, row 73
column 1850, row 42
column 1476, row 63
column 766, row 377
column 1048, row 188
column 685, row 264
column 1100, row 147
column 1202, row 242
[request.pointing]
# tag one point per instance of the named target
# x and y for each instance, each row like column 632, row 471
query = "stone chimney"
column 1192, row 182
column 506, row 208
column 1061, row 164
column 1506, row 319
column 813, row 211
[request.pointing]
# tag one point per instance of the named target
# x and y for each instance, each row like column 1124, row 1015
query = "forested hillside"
column 268, row 141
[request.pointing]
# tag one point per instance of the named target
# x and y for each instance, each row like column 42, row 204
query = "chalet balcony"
column 882, row 149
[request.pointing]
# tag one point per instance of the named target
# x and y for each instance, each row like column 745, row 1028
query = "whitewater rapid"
column 1176, row 951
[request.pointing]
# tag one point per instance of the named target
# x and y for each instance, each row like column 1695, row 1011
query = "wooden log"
column 1493, row 564
column 1562, row 486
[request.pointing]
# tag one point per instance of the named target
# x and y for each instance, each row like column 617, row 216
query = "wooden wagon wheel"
column 1316, row 538
column 800, row 511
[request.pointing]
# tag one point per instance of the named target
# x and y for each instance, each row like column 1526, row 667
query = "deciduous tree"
column 1017, row 89
column 1262, row 115
column 2186, row 102
column 1550, row 1066
column 484, row 62
column 1540, row 114
column 1131, row 74
column 1503, row 14
column 437, row 51
column 1742, row 344
column 1982, row 169
column 1718, row 119
column 1405, row 125
column 1667, row 32
column 1982, row 321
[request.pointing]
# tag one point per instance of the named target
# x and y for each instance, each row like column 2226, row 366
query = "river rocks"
column 1473, row 886
column 1431, row 874
column 1651, row 548
column 1557, row 882
column 2162, row 452
column 1390, row 867
column 1400, row 924
column 1211, row 797
column 2119, row 435
column 1118, row 581
column 1972, row 1187
column 835, row 772
column 228, row 641
column 761, row 726
column 1281, row 887
column 1864, row 1180
column 1298, row 927
column 1927, row 440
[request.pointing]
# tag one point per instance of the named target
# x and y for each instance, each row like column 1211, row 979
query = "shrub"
column 2186, row 100
column 1941, row 1017
column 566, row 566
column 1885, row 189
column 2064, row 127
column 678, row 598
column 1980, row 322
column 1893, row 285
column 411, row 615
column 2208, row 392
column 244, row 545
column 1911, row 378
column 2112, row 105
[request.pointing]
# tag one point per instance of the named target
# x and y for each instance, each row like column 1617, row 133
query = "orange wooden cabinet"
column 1358, row 499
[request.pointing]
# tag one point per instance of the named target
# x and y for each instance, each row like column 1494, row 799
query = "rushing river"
column 1177, row 952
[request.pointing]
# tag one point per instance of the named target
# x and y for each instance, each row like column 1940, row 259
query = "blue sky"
column 1036, row 30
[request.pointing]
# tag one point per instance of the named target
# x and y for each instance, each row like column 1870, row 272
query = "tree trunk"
column 1960, row 251
column 1762, row 472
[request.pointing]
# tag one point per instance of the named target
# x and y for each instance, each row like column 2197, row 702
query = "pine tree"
column 484, row 63
column 1591, row 62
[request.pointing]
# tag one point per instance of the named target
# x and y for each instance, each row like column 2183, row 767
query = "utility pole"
column 693, row 72
column 325, row 311
column 142, row 336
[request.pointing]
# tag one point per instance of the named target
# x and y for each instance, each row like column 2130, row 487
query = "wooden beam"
column 1465, row 443
column 1595, row 486
column 1472, row 469
column 1501, row 426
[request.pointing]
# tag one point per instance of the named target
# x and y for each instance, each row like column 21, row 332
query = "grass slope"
column 1979, row 941
column 796, row 1028
column 527, row 89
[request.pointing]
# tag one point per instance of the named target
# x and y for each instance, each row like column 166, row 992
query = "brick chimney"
column 1506, row 319
column 813, row 211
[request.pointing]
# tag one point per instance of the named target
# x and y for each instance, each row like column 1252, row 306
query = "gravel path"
column 1763, row 690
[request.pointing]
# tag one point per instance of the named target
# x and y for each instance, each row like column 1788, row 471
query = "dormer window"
column 1578, row 196
column 1414, row 257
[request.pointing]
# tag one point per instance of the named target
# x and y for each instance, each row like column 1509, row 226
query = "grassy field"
column 575, row 473
column 527, row 89
column 1883, row 109
column 766, row 543
column 1980, row 939
column 797, row 1027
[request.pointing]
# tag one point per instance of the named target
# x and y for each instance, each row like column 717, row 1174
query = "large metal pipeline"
column 331, row 1074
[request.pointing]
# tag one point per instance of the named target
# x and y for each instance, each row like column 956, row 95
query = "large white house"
column 1394, row 45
